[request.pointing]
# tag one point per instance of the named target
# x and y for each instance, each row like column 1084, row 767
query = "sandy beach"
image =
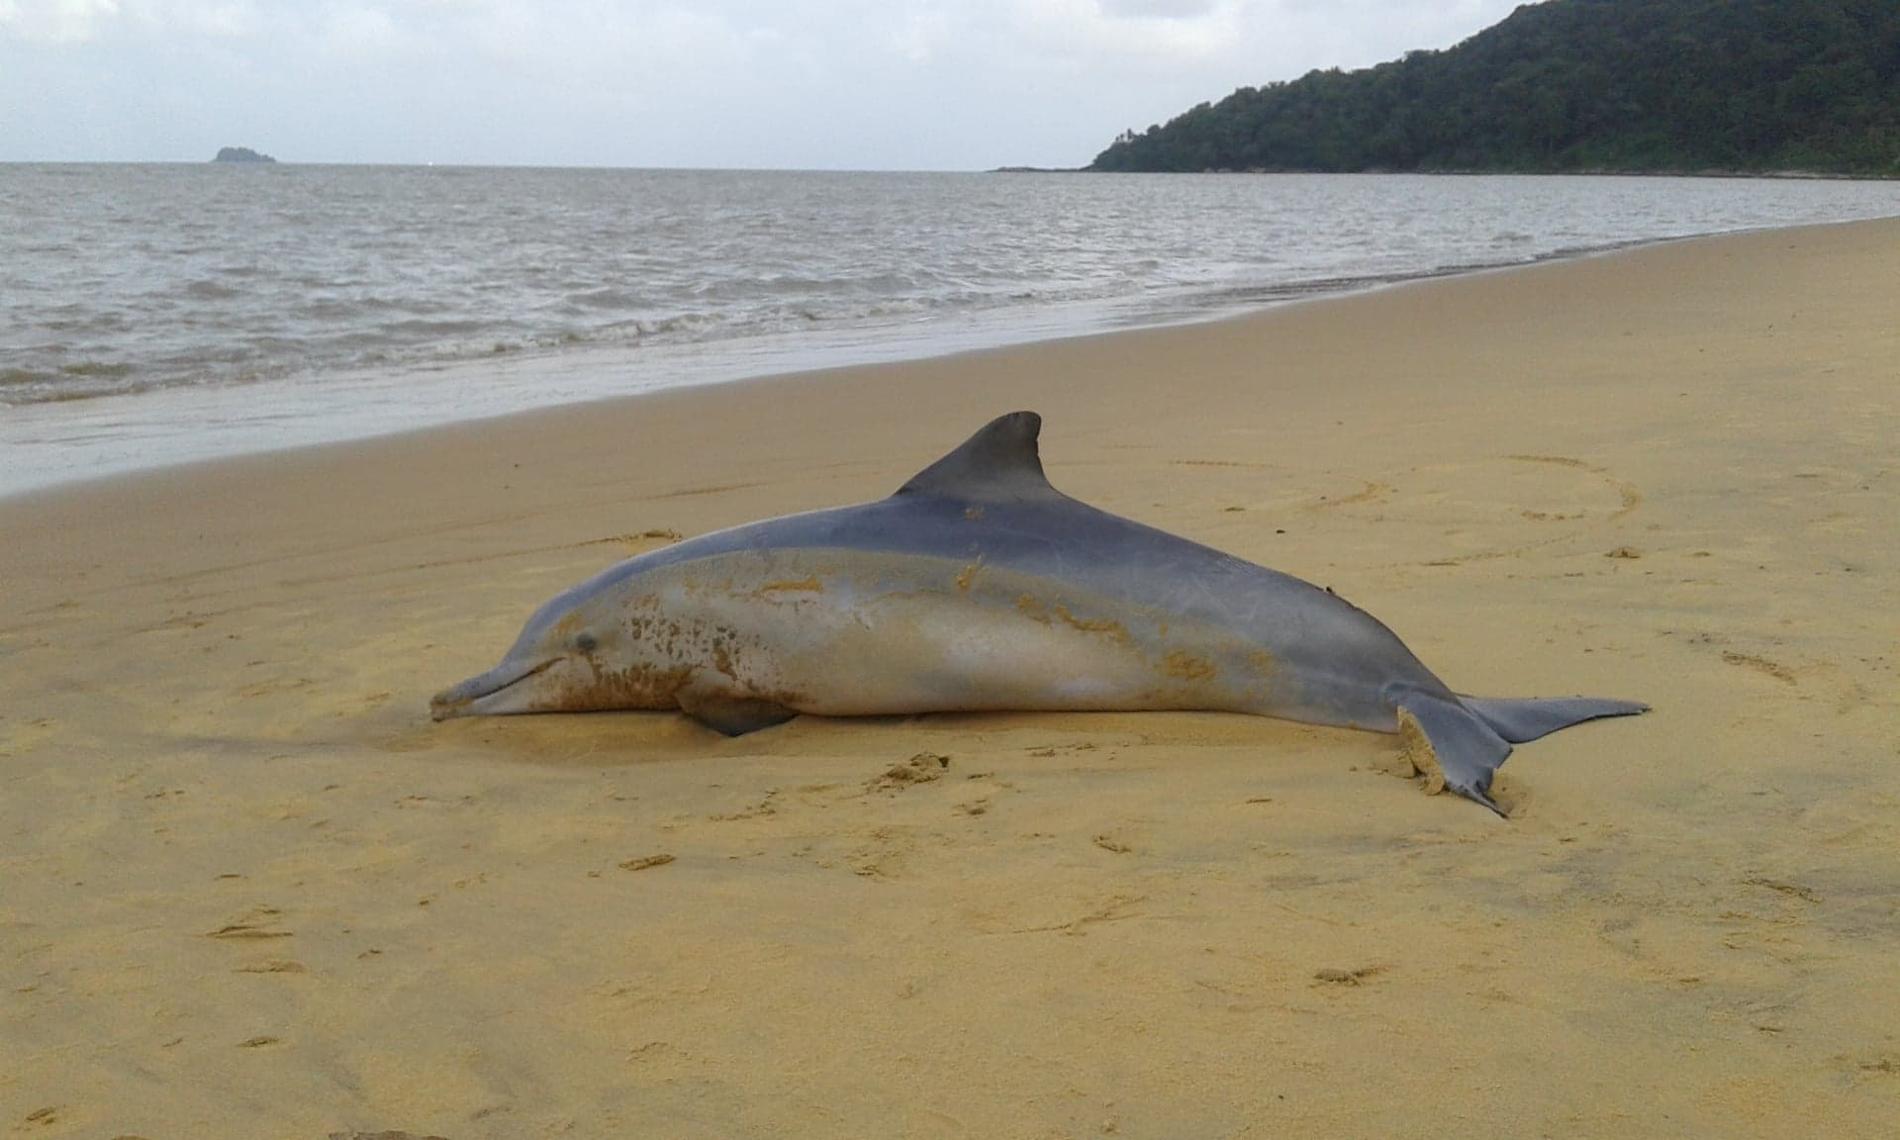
column 247, row 888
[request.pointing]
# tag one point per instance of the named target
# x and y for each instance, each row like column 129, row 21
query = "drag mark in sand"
column 1372, row 492
column 645, row 861
column 273, row 966
column 1795, row 890
column 712, row 489
column 1629, row 498
column 258, row 924
column 1761, row 665
column 1116, row 909
column 1632, row 498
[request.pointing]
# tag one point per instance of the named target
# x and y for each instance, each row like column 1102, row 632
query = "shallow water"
column 156, row 313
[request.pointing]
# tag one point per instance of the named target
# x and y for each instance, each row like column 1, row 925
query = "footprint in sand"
column 1334, row 976
column 765, row 807
column 884, row 854
column 923, row 768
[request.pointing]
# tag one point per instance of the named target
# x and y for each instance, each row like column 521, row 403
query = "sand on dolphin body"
column 246, row 887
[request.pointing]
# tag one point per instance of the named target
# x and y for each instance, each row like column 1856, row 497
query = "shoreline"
column 497, row 386
column 495, row 383
column 1820, row 175
column 253, row 889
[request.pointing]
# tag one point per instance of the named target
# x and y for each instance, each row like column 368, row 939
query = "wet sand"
column 248, row 888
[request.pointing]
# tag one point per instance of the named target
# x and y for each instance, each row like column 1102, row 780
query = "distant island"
column 1571, row 86
column 241, row 154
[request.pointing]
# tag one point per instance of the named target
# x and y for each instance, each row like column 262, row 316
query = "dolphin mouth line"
column 455, row 700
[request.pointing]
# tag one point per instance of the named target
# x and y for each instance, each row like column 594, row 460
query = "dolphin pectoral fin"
column 1451, row 746
column 732, row 715
column 1519, row 721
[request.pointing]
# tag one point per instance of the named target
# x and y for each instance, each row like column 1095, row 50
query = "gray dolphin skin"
column 978, row 586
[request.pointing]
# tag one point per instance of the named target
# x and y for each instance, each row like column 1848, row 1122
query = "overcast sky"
column 820, row 84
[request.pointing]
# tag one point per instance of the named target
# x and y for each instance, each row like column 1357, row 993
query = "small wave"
column 69, row 395
column 689, row 323
column 605, row 297
column 98, row 368
column 82, row 380
column 329, row 309
column 419, row 327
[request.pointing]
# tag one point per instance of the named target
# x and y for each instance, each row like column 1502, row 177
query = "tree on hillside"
column 1566, row 85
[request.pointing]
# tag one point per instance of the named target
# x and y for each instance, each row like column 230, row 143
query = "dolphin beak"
column 459, row 700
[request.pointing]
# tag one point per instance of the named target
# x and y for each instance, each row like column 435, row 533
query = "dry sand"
column 247, row 889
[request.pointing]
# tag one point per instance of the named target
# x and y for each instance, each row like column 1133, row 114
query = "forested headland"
column 1754, row 86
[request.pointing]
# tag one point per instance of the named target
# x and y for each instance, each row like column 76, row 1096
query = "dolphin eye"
column 586, row 642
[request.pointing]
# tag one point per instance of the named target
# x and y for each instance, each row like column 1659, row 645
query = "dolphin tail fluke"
column 1522, row 720
column 1451, row 746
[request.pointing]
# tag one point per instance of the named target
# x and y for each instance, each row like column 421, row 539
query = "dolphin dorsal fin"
column 997, row 464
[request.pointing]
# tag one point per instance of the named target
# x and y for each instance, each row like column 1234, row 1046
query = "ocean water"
column 156, row 313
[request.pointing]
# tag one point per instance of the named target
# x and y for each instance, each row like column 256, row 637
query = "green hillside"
column 1571, row 85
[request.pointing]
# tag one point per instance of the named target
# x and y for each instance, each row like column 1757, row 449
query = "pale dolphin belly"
column 842, row 632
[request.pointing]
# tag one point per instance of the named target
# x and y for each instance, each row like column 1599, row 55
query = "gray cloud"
column 1169, row 9
column 916, row 84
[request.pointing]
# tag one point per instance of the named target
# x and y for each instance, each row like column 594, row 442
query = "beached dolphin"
column 978, row 586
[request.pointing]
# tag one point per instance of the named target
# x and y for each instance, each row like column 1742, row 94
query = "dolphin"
column 979, row 586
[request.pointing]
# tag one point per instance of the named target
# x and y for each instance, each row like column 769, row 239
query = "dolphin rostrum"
column 978, row 586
